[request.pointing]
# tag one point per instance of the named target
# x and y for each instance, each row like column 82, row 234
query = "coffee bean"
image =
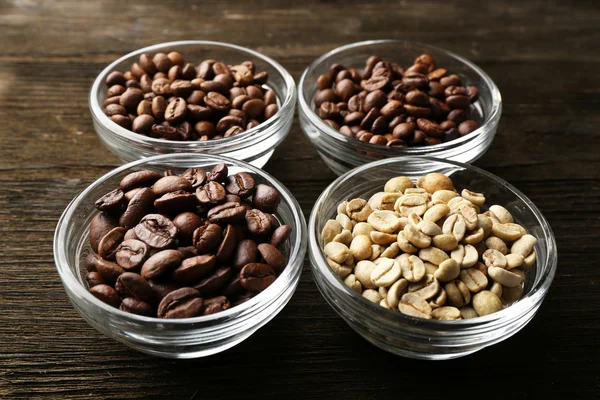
column 211, row 193
column 467, row 127
column 142, row 123
column 240, row 184
column 272, row 256
column 215, row 305
column 429, row 127
column 165, row 132
column 207, row 238
column 135, row 306
column 245, row 253
column 193, row 269
column 100, row 225
column 266, row 198
column 109, row 243
column 186, row 223
column 174, row 202
column 256, row 277
column 113, row 201
column 94, row 278
column 133, row 285
column 106, row 294
column 108, row 270
column 169, row 184
column 156, row 231
column 257, row 223
column 197, row 176
column 139, row 179
column 280, row 235
column 161, row 263
column 131, row 98
column 227, row 213
column 131, row 254
column 456, row 101
column 122, row 121
column 215, row 282
column 181, row 303
column 218, row 173
column 115, row 78
column 115, row 109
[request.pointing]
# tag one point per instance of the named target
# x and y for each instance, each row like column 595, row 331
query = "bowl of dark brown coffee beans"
column 181, row 255
column 193, row 96
column 379, row 99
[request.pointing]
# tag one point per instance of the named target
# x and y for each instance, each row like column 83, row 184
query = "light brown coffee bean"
column 486, row 302
column 345, row 237
column 362, row 228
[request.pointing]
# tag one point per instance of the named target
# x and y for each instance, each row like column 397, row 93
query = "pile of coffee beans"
column 163, row 97
column 429, row 252
column 388, row 105
column 180, row 246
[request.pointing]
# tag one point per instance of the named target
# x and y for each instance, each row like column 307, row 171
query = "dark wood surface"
column 543, row 55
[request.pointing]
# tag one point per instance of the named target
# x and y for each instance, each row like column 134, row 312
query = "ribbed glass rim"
column 297, row 248
column 287, row 104
column 526, row 303
column 314, row 119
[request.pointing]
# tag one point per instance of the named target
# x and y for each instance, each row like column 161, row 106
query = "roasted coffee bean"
column 101, row 224
column 131, row 254
column 227, row 213
column 122, row 121
column 215, row 282
column 169, row 184
column 109, row 270
column 136, row 306
column 109, row 243
column 139, row 179
column 256, row 277
column 115, row 109
column 186, row 223
column 207, row 238
column 156, row 231
column 193, row 269
column 215, row 305
column 456, row 101
column 115, row 78
column 175, row 111
column 131, row 98
column 161, row 289
column 181, row 303
column 240, row 184
column 245, row 253
column 467, row 127
column 280, row 235
column 257, row 223
column 142, row 123
column 133, row 285
column 161, row 263
column 228, row 244
column 205, row 129
column 217, row 101
column 174, row 202
column 111, row 100
column 165, row 132
column 94, row 278
column 106, row 294
column 218, row 173
column 266, row 198
column 272, row 256
column 89, row 262
column 430, row 128
column 113, row 201
column 197, row 176
column 159, row 106
column 196, row 98
column 211, row 193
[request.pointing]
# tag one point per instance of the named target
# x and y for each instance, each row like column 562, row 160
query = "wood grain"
column 543, row 55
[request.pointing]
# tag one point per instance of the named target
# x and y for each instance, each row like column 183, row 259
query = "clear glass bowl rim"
column 70, row 280
column 323, row 127
column 525, row 304
column 287, row 104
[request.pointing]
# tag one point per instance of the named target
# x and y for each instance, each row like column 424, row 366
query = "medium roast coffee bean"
column 131, row 254
column 156, row 231
column 181, row 303
column 256, row 277
column 227, row 213
column 280, row 235
column 211, row 193
column 101, row 224
column 133, row 285
column 207, row 238
column 174, row 202
column 240, row 184
column 161, row 263
column 218, row 173
column 170, row 184
column 228, row 244
column 197, row 176
column 215, row 305
column 272, row 257
column 266, row 198
column 139, row 179
column 186, row 223
column 109, row 243
column 257, row 223
column 94, row 278
column 215, row 282
column 106, row 294
column 192, row 269
column 108, row 270
column 136, row 306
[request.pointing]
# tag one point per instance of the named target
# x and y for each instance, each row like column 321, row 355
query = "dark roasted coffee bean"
column 430, row 141
column 196, row 98
column 430, row 128
column 266, row 198
column 215, row 305
column 130, row 284
column 131, row 254
column 240, row 184
column 375, row 99
column 100, row 225
column 256, row 277
column 436, row 89
column 106, row 294
column 156, row 231
column 112, row 201
column 450, row 134
column 132, row 84
column 376, row 82
column 272, row 256
column 467, row 127
column 193, row 269
column 356, row 103
column 416, row 111
column 111, row 100
column 245, row 253
column 115, row 78
column 472, row 93
column 254, row 107
column 280, row 235
column 109, row 243
column 418, row 138
column 257, row 222
column 327, row 95
column 207, row 238
column 218, row 173
column 241, row 298
column 89, row 262
column 274, row 221
column 161, row 263
column 416, row 80
column 417, row 98
column 345, row 89
column 451, row 80
column 197, row 176
column 227, row 246
column 234, row 130
column 379, row 125
column 324, row 81
column 186, row 224
column 217, row 101
column 210, row 285
column 122, row 120
column 161, row 289
column 233, row 288
column 109, row 270
column 169, row 184
column 175, row 111
column 174, row 202
column 115, row 90
column 165, row 132
column 404, row 130
column 369, row 119
column 147, row 64
column 131, row 98
column 138, row 179
column 181, row 303
column 329, row 111
column 395, row 122
column 141, row 204
column 142, row 123
column 458, row 116
column 211, row 193
column 162, row 62
column 353, row 118
column 135, row 306
column 436, row 75
column 159, row 106
column 392, row 109
column 93, row 279
column 182, row 88
column 458, row 102
column 188, row 251
column 227, row 213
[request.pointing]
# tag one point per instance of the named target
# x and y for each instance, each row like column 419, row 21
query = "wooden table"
column 543, row 55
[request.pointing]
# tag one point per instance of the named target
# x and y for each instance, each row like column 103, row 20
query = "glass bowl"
column 184, row 338
column 421, row 338
column 342, row 153
column 255, row 145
